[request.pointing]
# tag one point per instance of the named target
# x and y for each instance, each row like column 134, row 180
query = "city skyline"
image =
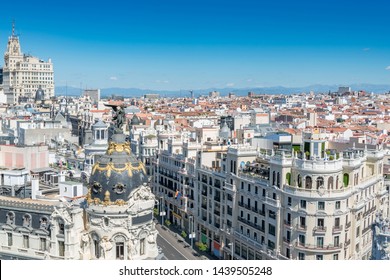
column 197, row 45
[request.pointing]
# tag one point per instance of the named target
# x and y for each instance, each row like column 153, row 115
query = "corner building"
column 313, row 204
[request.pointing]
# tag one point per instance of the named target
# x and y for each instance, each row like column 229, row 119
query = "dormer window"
column 10, row 218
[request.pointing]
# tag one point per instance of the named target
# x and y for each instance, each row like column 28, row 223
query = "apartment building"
column 315, row 203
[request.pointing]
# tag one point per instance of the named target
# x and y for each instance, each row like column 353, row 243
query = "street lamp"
column 232, row 248
column 192, row 233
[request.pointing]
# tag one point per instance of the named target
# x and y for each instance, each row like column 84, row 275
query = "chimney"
column 35, row 186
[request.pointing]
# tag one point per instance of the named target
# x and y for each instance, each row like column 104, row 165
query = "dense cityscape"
column 302, row 176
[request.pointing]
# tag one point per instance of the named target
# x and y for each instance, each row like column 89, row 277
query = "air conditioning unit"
column 54, row 180
column 46, row 177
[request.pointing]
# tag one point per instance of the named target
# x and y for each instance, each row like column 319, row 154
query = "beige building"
column 23, row 74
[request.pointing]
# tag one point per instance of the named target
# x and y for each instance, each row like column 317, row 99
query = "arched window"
column 61, row 226
column 43, row 222
column 346, row 179
column 96, row 248
column 299, row 180
column 330, row 183
column 278, row 180
column 288, row 178
column 120, row 247
column 308, row 183
column 320, row 182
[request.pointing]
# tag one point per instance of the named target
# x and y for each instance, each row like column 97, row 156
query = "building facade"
column 249, row 203
column 24, row 74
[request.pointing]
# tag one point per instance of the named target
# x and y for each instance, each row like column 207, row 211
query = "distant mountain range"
column 136, row 92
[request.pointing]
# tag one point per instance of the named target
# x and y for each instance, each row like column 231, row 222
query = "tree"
column 201, row 246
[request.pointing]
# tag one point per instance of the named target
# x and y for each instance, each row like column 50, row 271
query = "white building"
column 317, row 204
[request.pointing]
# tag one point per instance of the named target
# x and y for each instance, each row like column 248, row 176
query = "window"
column 321, row 205
column 337, row 241
column 271, row 245
column 320, row 242
column 335, row 256
column 287, row 253
column 337, row 222
column 303, row 204
column 120, row 250
column 26, row 241
column 301, row 256
column 271, row 229
column 61, row 248
column 96, row 247
column 61, row 227
column 301, row 240
column 320, row 223
column 142, row 247
column 302, row 222
column 10, row 241
column 337, row 206
column 319, row 257
column 289, row 201
column 357, row 231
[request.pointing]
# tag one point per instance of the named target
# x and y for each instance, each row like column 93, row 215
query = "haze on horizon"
column 172, row 45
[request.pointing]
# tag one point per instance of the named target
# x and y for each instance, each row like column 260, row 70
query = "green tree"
column 201, row 246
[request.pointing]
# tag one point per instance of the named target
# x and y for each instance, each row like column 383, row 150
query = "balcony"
column 316, row 247
column 301, row 227
column 347, row 243
column 287, row 241
column 262, row 213
column 287, row 224
column 319, row 229
column 348, row 225
column 337, row 229
column 319, row 164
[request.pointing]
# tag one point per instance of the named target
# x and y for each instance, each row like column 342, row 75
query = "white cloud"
column 230, row 84
column 387, row 68
column 113, row 78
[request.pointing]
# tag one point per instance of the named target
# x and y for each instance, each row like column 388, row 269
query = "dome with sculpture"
column 39, row 95
column 116, row 174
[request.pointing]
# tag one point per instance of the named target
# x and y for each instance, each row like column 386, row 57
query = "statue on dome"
column 118, row 117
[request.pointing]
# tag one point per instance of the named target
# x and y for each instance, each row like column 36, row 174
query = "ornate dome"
column 116, row 174
column 39, row 94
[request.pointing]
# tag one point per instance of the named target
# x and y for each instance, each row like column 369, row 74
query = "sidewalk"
column 183, row 244
column 177, row 242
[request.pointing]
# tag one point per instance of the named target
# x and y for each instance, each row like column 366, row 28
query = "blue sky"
column 188, row 44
